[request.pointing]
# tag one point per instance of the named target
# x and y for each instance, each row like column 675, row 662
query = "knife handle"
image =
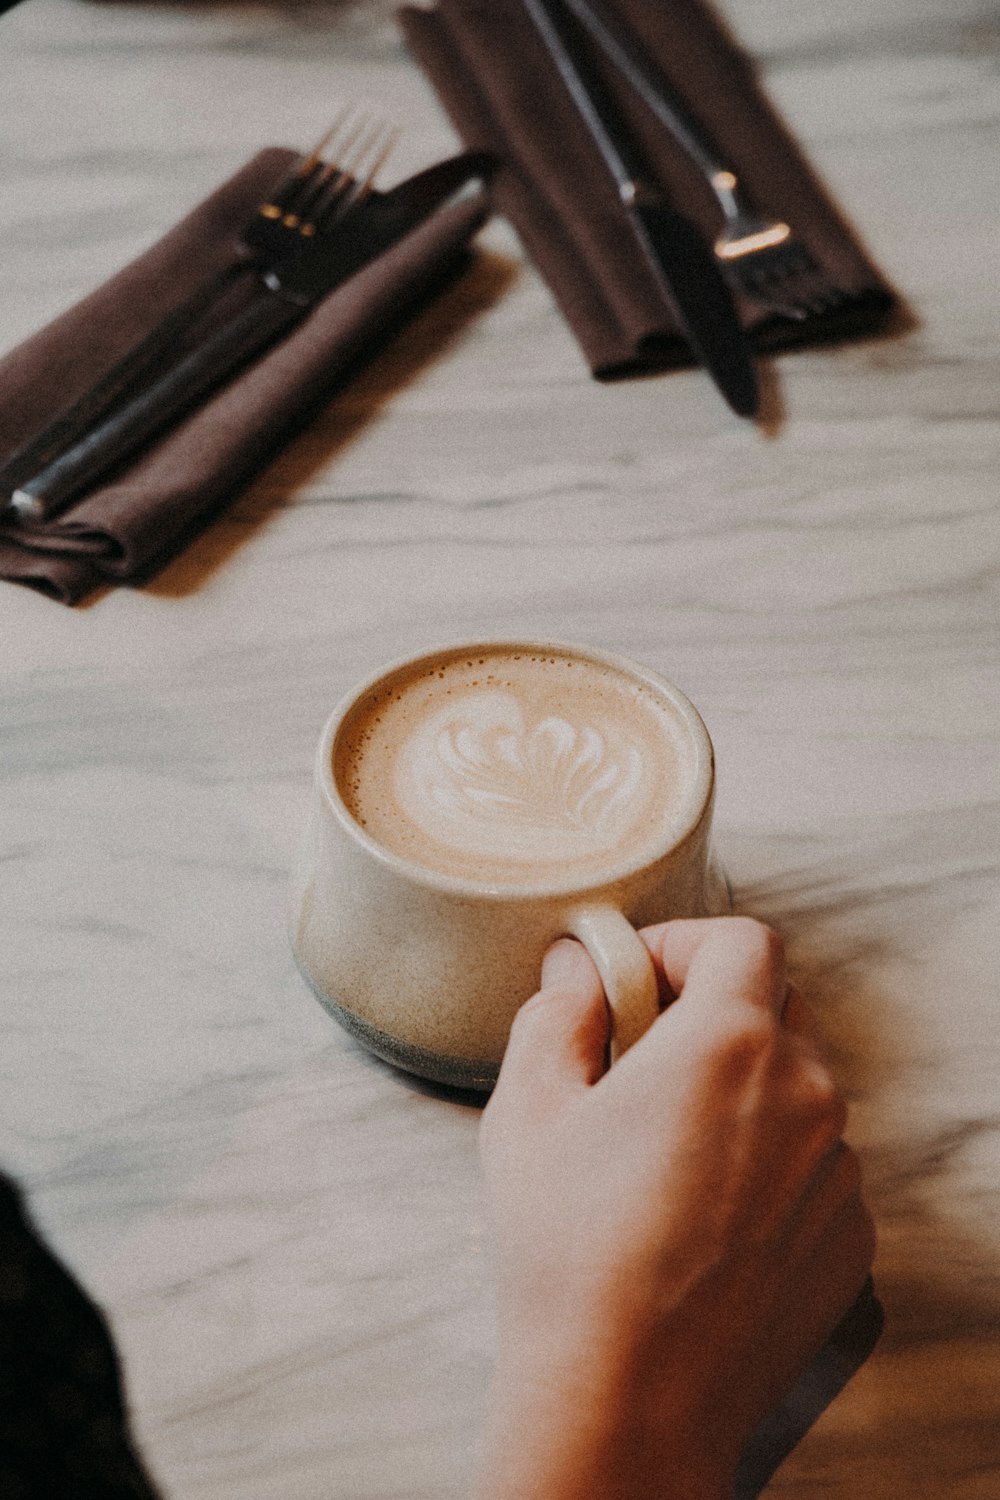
column 95, row 403
column 590, row 97
column 651, row 85
column 156, row 407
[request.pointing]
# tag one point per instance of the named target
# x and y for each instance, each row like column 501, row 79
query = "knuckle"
column 760, row 942
column 816, row 1095
column 821, row 1094
column 743, row 1042
column 849, row 1173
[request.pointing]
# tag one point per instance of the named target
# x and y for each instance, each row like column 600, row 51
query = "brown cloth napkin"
column 125, row 528
column 503, row 94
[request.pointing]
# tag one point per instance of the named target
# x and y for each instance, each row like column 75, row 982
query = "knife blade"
column 672, row 245
column 286, row 295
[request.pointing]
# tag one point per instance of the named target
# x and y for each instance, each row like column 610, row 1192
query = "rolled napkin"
column 503, row 94
column 126, row 527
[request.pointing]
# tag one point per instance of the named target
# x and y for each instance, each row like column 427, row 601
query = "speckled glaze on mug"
column 427, row 967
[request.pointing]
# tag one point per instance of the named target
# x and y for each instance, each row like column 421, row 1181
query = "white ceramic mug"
column 428, row 968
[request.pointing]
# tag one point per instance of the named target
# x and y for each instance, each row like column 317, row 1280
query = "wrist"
column 572, row 1423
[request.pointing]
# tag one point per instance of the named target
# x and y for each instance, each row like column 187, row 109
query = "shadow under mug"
column 428, row 969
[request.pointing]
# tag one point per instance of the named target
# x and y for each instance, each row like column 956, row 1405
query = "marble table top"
column 287, row 1235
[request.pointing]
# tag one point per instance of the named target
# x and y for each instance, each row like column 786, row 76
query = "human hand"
column 675, row 1238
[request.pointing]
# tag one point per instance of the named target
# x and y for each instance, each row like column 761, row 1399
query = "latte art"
column 513, row 767
column 481, row 778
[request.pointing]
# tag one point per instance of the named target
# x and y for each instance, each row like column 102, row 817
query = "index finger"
column 721, row 961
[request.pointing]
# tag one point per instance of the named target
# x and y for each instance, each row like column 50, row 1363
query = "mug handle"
column 626, row 971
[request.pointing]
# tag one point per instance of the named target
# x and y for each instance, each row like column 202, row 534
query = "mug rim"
column 676, row 834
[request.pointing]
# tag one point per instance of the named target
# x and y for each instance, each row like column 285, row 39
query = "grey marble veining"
column 288, row 1236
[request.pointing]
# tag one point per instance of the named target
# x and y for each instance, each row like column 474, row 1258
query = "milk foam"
column 509, row 767
column 486, row 780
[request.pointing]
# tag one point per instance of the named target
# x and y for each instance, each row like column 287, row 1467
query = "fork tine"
column 315, row 156
column 796, row 289
column 318, row 186
column 295, row 191
column 363, row 186
column 782, row 277
column 356, row 176
column 350, row 165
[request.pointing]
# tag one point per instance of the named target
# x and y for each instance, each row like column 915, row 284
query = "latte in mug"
column 512, row 766
column 470, row 805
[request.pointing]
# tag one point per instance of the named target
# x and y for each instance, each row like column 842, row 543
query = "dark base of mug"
column 473, row 1073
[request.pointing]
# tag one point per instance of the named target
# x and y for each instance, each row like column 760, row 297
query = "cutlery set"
column 312, row 186
column 671, row 244
column 328, row 220
column 326, row 223
column 752, row 255
column 759, row 256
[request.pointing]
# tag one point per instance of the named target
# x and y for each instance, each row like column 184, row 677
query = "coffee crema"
column 512, row 766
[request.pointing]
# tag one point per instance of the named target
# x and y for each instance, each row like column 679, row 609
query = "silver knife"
column 680, row 257
column 286, row 296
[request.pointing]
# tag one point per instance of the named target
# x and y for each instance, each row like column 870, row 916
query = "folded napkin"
column 503, row 94
column 125, row 528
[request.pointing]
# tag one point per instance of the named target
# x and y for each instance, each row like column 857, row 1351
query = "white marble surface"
column 287, row 1235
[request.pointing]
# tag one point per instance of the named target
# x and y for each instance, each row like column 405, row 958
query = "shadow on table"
column 773, row 373
column 926, row 1410
column 393, row 362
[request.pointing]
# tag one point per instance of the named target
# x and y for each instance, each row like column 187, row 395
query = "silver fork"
column 272, row 232
column 760, row 255
column 763, row 258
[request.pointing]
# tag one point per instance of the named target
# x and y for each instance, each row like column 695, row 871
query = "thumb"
column 559, row 1036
